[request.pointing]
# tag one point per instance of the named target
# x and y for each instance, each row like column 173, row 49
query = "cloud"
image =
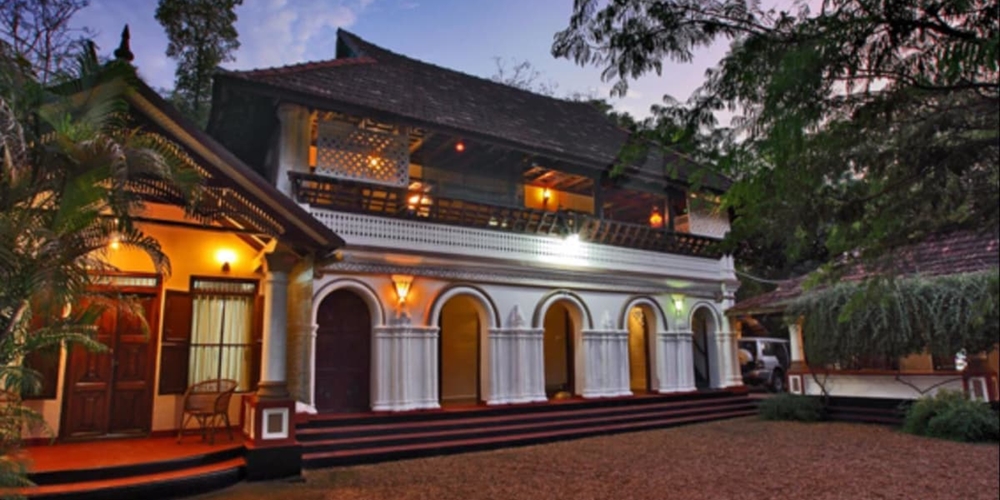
column 280, row 32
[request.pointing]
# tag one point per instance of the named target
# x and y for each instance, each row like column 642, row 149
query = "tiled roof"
column 955, row 253
column 369, row 76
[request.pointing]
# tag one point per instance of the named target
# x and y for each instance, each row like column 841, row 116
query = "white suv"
column 764, row 361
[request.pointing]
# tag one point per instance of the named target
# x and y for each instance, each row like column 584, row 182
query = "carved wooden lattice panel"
column 707, row 220
column 345, row 151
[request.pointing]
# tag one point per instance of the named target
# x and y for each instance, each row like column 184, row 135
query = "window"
column 222, row 331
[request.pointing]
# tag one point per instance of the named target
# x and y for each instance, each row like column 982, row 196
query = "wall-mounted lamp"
column 115, row 243
column 402, row 283
column 546, row 194
column 226, row 257
column 678, row 304
column 459, row 146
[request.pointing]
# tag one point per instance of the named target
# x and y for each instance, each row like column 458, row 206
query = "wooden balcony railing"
column 356, row 197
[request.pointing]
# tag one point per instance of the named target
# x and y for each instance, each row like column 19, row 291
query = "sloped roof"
column 955, row 253
column 372, row 77
column 245, row 191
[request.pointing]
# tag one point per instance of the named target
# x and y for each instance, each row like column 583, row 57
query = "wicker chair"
column 208, row 402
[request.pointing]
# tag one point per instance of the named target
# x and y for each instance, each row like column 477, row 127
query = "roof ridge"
column 364, row 43
column 304, row 66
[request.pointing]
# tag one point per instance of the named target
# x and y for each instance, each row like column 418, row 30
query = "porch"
column 152, row 467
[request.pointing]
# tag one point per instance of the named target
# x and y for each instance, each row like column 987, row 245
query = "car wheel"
column 778, row 382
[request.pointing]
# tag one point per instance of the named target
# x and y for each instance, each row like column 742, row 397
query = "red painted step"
column 367, row 455
column 306, row 433
column 169, row 484
column 525, row 426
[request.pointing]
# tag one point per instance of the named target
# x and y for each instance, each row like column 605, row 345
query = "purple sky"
column 464, row 35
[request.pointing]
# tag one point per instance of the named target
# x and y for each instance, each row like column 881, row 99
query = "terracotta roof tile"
column 377, row 78
column 955, row 253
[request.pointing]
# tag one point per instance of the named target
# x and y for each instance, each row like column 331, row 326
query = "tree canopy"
column 863, row 126
column 202, row 35
column 38, row 32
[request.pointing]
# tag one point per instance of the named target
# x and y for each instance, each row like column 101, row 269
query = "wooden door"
column 343, row 354
column 110, row 392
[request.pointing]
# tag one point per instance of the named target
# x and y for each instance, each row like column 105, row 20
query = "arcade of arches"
column 345, row 343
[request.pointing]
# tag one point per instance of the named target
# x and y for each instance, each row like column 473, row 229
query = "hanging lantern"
column 655, row 219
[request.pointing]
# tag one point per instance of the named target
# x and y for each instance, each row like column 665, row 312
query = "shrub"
column 791, row 407
column 950, row 415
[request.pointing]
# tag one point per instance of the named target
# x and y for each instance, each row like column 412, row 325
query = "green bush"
column 791, row 407
column 950, row 415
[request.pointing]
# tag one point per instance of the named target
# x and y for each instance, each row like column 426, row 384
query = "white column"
column 666, row 362
column 273, row 372
column 795, row 343
column 406, row 367
column 685, row 361
column 293, row 149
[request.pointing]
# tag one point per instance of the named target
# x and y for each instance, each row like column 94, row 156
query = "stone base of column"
column 272, row 390
column 269, row 437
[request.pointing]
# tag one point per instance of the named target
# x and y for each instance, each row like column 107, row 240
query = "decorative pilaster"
column 517, row 369
column 728, row 365
column 667, row 345
column 606, row 369
column 406, row 366
column 685, row 361
column 273, row 382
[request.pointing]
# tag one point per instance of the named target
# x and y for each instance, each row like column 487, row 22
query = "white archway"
column 488, row 318
column 580, row 319
column 712, row 323
column 378, row 317
column 646, row 361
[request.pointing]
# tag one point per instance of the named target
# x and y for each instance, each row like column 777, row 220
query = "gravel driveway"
column 734, row 459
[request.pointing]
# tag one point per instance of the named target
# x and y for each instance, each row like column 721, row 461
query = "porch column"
column 795, row 344
column 797, row 368
column 685, row 361
column 406, row 375
column 273, row 380
column 666, row 362
column 268, row 415
column 293, row 146
column 517, row 366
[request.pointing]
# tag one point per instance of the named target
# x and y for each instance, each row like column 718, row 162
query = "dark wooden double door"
column 111, row 393
column 343, row 354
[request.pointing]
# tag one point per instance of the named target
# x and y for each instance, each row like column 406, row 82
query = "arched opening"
column 703, row 328
column 343, row 353
column 559, row 349
column 641, row 322
column 464, row 323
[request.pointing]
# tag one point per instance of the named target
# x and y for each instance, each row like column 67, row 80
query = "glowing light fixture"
column 373, row 161
column 115, row 243
column 402, row 283
column 678, row 304
column 459, row 146
column 655, row 219
column 67, row 309
column 226, row 257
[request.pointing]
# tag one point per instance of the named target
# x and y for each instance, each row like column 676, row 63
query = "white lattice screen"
column 346, row 151
column 706, row 219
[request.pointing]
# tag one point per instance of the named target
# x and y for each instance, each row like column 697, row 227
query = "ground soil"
column 734, row 459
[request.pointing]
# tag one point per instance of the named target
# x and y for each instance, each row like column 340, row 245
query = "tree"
column 202, row 35
column 39, row 32
column 73, row 173
column 865, row 126
column 522, row 75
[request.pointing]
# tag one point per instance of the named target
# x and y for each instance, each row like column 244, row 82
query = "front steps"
column 158, row 478
column 332, row 440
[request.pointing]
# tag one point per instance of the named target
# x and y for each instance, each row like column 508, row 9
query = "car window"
column 770, row 348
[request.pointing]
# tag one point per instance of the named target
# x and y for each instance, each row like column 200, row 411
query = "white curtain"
column 221, row 338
